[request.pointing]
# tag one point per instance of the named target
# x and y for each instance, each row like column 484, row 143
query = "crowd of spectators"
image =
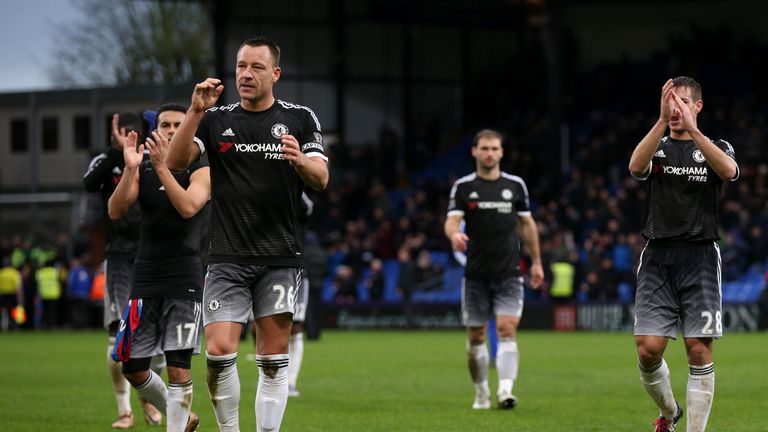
column 48, row 286
column 589, row 208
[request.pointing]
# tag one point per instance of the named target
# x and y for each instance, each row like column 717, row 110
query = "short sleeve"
column 202, row 135
column 728, row 149
column 522, row 201
column 456, row 202
column 311, row 139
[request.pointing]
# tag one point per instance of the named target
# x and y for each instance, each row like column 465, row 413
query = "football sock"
column 507, row 361
column 272, row 393
column 478, row 366
column 699, row 396
column 120, row 385
column 296, row 352
column 154, row 391
column 179, row 402
column 656, row 382
column 224, row 387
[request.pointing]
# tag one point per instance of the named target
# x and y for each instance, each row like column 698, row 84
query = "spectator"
column 11, row 294
column 49, row 283
column 79, row 283
column 344, row 285
column 374, row 283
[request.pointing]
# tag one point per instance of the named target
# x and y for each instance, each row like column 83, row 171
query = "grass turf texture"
column 396, row 381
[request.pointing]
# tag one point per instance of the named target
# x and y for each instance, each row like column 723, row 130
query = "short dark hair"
column 256, row 41
column 131, row 122
column 684, row 81
column 171, row 107
column 486, row 133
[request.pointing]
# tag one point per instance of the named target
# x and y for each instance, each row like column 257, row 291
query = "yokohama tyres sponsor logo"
column 251, row 148
column 700, row 171
column 499, row 206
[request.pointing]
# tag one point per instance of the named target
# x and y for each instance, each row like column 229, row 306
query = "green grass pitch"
column 397, row 381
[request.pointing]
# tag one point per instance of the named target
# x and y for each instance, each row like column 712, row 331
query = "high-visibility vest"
column 97, row 289
column 48, row 283
column 562, row 279
column 10, row 280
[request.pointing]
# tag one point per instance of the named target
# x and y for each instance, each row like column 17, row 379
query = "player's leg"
column 140, row 339
column 702, row 322
column 296, row 345
column 274, row 300
column 296, row 353
column 654, row 374
column 476, row 309
column 507, row 359
column 508, row 308
column 120, row 385
column 182, row 322
column 116, row 292
column 272, row 359
column 152, row 415
column 179, row 402
column 701, row 383
column 147, row 383
column 656, row 319
column 221, row 340
column 226, row 307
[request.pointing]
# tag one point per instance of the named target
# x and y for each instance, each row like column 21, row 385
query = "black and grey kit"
column 492, row 284
column 256, row 235
column 168, row 275
column 679, row 273
column 103, row 174
column 490, row 210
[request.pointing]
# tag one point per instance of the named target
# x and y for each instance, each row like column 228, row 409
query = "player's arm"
column 529, row 233
column 721, row 163
column 184, row 150
column 640, row 162
column 189, row 201
column 99, row 169
column 453, row 232
column 127, row 191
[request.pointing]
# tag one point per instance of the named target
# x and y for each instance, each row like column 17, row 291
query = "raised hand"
column 206, row 94
column 666, row 91
column 118, row 134
column 131, row 154
column 683, row 111
column 158, row 146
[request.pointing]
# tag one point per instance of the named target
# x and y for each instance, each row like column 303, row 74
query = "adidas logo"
column 161, row 188
column 228, row 132
column 660, row 154
column 474, row 195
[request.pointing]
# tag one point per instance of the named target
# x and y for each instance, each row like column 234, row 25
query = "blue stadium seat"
column 363, row 295
column 440, row 258
column 327, row 292
column 626, row 296
column 391, row 269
